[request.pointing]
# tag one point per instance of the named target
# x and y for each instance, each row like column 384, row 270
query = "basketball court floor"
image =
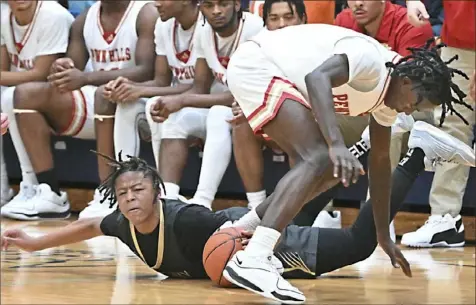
column 103, row 271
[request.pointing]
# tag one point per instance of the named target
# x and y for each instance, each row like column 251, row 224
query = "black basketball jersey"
column 186, row 228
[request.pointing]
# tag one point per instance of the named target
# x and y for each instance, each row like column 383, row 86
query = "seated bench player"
column 33, row 35
column 200, row 112
column 169, row 235
column 118, row 38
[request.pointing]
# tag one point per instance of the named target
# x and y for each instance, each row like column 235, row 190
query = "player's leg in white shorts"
column 6, row 193
column 262, row 92
column 155, row 130
column 176, row 131
column 216, row 155
column 42, row 111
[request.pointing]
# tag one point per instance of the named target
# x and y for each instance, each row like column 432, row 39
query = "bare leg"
column 295, row 130
column 104, row 128
column 172, row 159
column 53, row 110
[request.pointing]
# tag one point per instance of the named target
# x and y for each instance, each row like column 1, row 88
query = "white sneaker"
column 260, row 276
column 45, row 204
column 6, row 196
column 97, row 209
column 438, row 231
column 439, row 146
column 26, row 192
column 330, row 220
column 403, row 123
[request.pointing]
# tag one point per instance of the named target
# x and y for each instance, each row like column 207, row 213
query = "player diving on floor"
column 169, row 235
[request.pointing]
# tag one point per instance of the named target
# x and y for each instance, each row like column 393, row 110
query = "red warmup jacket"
column 395, row 31
column 459, row 24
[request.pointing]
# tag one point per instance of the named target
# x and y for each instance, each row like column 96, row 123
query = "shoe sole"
column 264, row 294
column 466, row 154
column 40, row 216
column 441, row 244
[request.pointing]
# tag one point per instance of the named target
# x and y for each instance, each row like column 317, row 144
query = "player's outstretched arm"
column 334, row 72
column 75, row 232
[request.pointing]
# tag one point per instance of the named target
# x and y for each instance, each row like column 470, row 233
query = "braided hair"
column 134, row 164
column 298, row 4
column 432, row 78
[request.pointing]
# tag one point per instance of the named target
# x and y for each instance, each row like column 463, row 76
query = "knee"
column 103, row 107
column 32, row 96
column 148, row 107
column 364, row 249
column 219, row 116
column 315, row 158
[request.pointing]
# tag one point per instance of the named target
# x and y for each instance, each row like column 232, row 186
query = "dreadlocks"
column 134, row 164
column 432, row 78
column 298, row 4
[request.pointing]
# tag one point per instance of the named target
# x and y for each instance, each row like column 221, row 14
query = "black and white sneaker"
column 438, row 231
column 259, row 275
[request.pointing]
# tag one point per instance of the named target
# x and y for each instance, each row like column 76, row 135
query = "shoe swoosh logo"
column 239, row 261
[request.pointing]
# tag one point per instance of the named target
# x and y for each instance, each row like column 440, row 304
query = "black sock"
column 413, row 161
column 49, row 177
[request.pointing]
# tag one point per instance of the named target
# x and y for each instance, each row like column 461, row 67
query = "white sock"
column 155, row 131
column 28, row 174
column 126, row 134
column 171, row 190
column 263, row 241
column 255, row 198
column 216, row 154
column 249, row 222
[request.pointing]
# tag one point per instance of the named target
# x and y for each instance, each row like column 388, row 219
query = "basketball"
column 218, row 250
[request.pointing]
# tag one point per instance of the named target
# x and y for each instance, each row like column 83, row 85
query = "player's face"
column 220, row 14
column 168, row 8
column 366, row 11
column 407, row 98
column 135, row 196
column 20, row 5
column 281, row 15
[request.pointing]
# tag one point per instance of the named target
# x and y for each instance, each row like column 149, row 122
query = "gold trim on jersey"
column 20, row 45
column 294, row 262
column 160, row 243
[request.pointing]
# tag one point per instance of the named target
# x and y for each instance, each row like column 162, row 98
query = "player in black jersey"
column 169, row 235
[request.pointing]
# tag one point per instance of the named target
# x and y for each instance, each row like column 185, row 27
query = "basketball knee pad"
column 219, row 115
column 185, row 123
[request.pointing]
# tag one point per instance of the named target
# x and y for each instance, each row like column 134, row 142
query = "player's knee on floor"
column 188, row 122
column 103, row 109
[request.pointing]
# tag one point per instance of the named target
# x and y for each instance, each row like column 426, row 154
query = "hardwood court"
column 103, row 271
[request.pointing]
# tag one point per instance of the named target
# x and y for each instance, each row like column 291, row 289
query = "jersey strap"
column 21, row 44
column 160, row 243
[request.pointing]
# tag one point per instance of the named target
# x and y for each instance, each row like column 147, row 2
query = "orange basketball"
column 218, row 250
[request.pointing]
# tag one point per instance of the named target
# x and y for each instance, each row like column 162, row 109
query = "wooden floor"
column 103, row 271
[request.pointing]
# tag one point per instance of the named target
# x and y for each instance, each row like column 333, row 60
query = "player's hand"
column 238, row 116
column 68, row 80
column 126, row 93
column 472, row 86
column 165, row 106
column 3, row 123
column 61, row 64
column 346, row 166
column 245, row 238
column 396, row 256
column 417, row 13
column 19, row 239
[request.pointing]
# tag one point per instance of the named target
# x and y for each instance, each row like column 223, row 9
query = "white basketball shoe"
column 97, row 209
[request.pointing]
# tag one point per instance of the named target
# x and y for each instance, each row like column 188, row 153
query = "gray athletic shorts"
column 297, row 247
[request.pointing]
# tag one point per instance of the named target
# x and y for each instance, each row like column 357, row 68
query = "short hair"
column 298, row 4
column 432, row 78
column 133, row 164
